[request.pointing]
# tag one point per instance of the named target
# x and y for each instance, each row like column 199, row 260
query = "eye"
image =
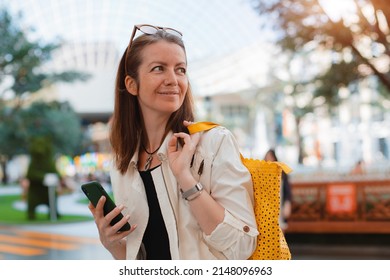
column 158, row 68
column 182, row 70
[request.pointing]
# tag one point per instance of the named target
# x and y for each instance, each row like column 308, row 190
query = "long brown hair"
column 127, row 125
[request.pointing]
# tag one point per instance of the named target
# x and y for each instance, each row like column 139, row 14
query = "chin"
column 171, row 107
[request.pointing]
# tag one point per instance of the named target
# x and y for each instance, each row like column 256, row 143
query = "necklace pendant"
column 148, row 162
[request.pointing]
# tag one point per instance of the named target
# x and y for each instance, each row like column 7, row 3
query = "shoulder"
column 214, row 139
column 118, row 178
column 217, row 133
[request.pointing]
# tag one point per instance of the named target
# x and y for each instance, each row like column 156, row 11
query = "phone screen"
column 94, row 191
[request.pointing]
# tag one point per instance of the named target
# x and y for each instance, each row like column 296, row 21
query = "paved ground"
column 57, row 242
column 67, row 241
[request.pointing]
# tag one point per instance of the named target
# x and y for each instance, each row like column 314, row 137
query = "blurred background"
column 309, row 79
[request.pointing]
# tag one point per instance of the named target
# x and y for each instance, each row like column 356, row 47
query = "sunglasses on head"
column 151, row 29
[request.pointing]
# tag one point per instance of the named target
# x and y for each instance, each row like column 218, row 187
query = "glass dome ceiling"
column 210, row 27
column 96, row 32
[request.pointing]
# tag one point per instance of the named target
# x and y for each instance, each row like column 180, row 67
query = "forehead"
column 163, row 51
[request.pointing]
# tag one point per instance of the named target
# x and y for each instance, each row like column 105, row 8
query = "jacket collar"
column 162, row 153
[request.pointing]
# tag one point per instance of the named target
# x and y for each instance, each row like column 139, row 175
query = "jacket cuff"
column 234, row 238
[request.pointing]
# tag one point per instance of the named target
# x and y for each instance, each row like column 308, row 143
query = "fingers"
column 115, row 212
column 187, row 123
column 196, row 136
column 189, row 144
column 98, row 210
column 104, row 221
column 172, row 144
column 91, row 207
column 117, row 227
column 110, row 235
column 189, row 140
column 183, row 135
column 100, row 204
column 118, row 235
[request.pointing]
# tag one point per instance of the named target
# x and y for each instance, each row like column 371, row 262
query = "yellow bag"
column 266, row 179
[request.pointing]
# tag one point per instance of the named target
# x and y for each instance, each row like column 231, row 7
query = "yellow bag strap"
column 204, row 126
column 201, row 126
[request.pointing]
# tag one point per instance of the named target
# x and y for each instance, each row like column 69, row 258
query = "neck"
column 151, row 152
column 155, row 132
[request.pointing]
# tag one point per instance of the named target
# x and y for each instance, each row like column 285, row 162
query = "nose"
column 170, row 78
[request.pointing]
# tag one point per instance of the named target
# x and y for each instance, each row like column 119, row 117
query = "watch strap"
column 194, row 190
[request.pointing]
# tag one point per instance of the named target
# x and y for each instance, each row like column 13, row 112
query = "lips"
column 168, row 92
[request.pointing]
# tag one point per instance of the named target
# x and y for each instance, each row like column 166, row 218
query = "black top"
column 155, row 239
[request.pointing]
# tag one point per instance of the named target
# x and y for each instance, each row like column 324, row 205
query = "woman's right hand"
column 109, row 235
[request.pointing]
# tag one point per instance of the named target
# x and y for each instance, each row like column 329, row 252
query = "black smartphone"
column 94, row 191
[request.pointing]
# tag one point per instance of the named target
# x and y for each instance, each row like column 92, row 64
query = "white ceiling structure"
column 225, row 45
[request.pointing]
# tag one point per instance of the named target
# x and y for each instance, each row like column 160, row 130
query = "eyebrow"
column 164, row 63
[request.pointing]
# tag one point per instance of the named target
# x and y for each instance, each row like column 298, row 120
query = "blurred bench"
column 354, row 204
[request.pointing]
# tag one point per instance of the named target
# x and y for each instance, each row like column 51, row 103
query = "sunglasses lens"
column 173, row 32
column 147, row 29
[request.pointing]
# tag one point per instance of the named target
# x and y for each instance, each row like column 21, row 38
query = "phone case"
column 94, row 191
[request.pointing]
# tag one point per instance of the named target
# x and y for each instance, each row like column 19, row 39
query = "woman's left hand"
column 180, row 157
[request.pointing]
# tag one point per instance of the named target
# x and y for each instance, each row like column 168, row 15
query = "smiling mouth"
column 168, row 93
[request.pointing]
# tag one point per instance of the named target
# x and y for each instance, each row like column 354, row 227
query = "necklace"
column 150, row 157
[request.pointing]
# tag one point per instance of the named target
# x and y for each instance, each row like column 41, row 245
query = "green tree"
column 359, row 45
column 55, row 121
column 22, row 61
column 22, row 74
column 356, row 46
column 42, row 162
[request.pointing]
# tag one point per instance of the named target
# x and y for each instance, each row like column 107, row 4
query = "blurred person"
column 285, row 193
column 91, row 176
column 67, row 184
column 172, row 187
column 24, row 184
column 358, row 169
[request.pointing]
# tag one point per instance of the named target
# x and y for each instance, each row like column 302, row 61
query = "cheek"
column 184, row 86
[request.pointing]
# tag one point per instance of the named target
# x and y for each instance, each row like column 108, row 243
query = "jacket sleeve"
column 231, row 186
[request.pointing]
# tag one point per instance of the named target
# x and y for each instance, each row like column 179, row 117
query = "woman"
column 285, row 194
column 186, row 197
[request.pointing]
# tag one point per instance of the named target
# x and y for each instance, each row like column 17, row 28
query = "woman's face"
column 163, row 81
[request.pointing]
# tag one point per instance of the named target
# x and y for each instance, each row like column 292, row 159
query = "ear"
column 131, row 85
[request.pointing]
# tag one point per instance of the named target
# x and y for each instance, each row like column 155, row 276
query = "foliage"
column 335, row 51
column 56, row 121
column 22, row 61
column 42, row 162
column 11, row 215
column 24, row 71
column 338, row 75
column 42, row 159
column 358, row 44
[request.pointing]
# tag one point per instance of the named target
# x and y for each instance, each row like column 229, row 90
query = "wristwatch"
column 192, row 193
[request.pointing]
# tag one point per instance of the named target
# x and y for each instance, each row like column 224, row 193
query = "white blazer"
column 223, row 176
